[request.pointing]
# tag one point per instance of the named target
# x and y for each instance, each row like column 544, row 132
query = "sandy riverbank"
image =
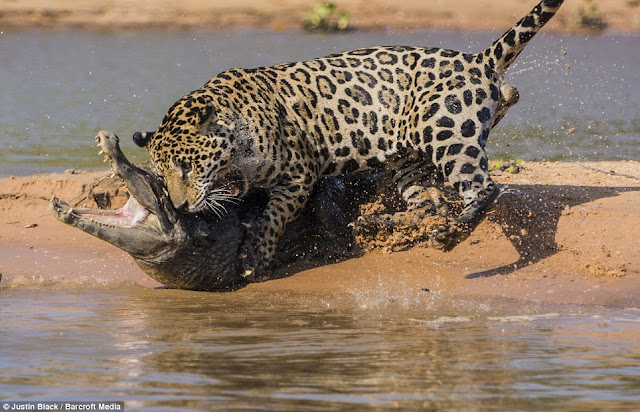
column 619, row 15
column 563, row 232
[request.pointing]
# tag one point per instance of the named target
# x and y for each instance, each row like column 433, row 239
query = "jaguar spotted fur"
column 416, row 112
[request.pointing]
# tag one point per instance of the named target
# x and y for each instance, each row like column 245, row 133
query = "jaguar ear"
column 206, row 114
column 209, row 118
column 141, row 139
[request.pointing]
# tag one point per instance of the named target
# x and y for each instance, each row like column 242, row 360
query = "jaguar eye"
column 184, row 168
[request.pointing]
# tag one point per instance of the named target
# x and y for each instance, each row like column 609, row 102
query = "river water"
column 174, row 350
column 60, row 88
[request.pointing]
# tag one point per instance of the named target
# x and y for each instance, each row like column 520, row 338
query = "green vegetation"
column 324, row 17
column 591, row 18
column 512, row 166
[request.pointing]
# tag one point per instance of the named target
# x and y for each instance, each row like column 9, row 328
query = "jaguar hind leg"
column 469, row 175
column 464, row 164
column 474, row 183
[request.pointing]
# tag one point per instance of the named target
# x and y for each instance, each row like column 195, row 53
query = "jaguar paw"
column 447, row 237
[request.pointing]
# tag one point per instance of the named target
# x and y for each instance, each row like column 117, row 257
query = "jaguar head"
column 194, row 150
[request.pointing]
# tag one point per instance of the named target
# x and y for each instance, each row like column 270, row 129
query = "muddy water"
column 580, row 95
column 171, row 350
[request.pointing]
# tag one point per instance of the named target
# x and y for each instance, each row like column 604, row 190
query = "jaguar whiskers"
column 216, row 197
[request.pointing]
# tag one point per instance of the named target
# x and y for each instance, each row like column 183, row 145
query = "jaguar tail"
column 505, row 50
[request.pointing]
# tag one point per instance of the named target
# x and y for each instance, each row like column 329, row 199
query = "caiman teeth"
column 62, row 208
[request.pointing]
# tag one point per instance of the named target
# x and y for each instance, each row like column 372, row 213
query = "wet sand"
column 620, row 15
column 561, row 232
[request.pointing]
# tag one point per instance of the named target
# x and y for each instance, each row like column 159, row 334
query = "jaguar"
column 418, row 113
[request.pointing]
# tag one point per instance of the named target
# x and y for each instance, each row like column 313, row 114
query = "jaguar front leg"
column 259, row 247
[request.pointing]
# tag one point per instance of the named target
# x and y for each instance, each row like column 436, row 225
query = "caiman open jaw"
column 129, row 215
column 144, row 226
column 132, row 228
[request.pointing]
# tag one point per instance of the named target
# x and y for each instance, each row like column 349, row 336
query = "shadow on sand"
column 529, row 216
